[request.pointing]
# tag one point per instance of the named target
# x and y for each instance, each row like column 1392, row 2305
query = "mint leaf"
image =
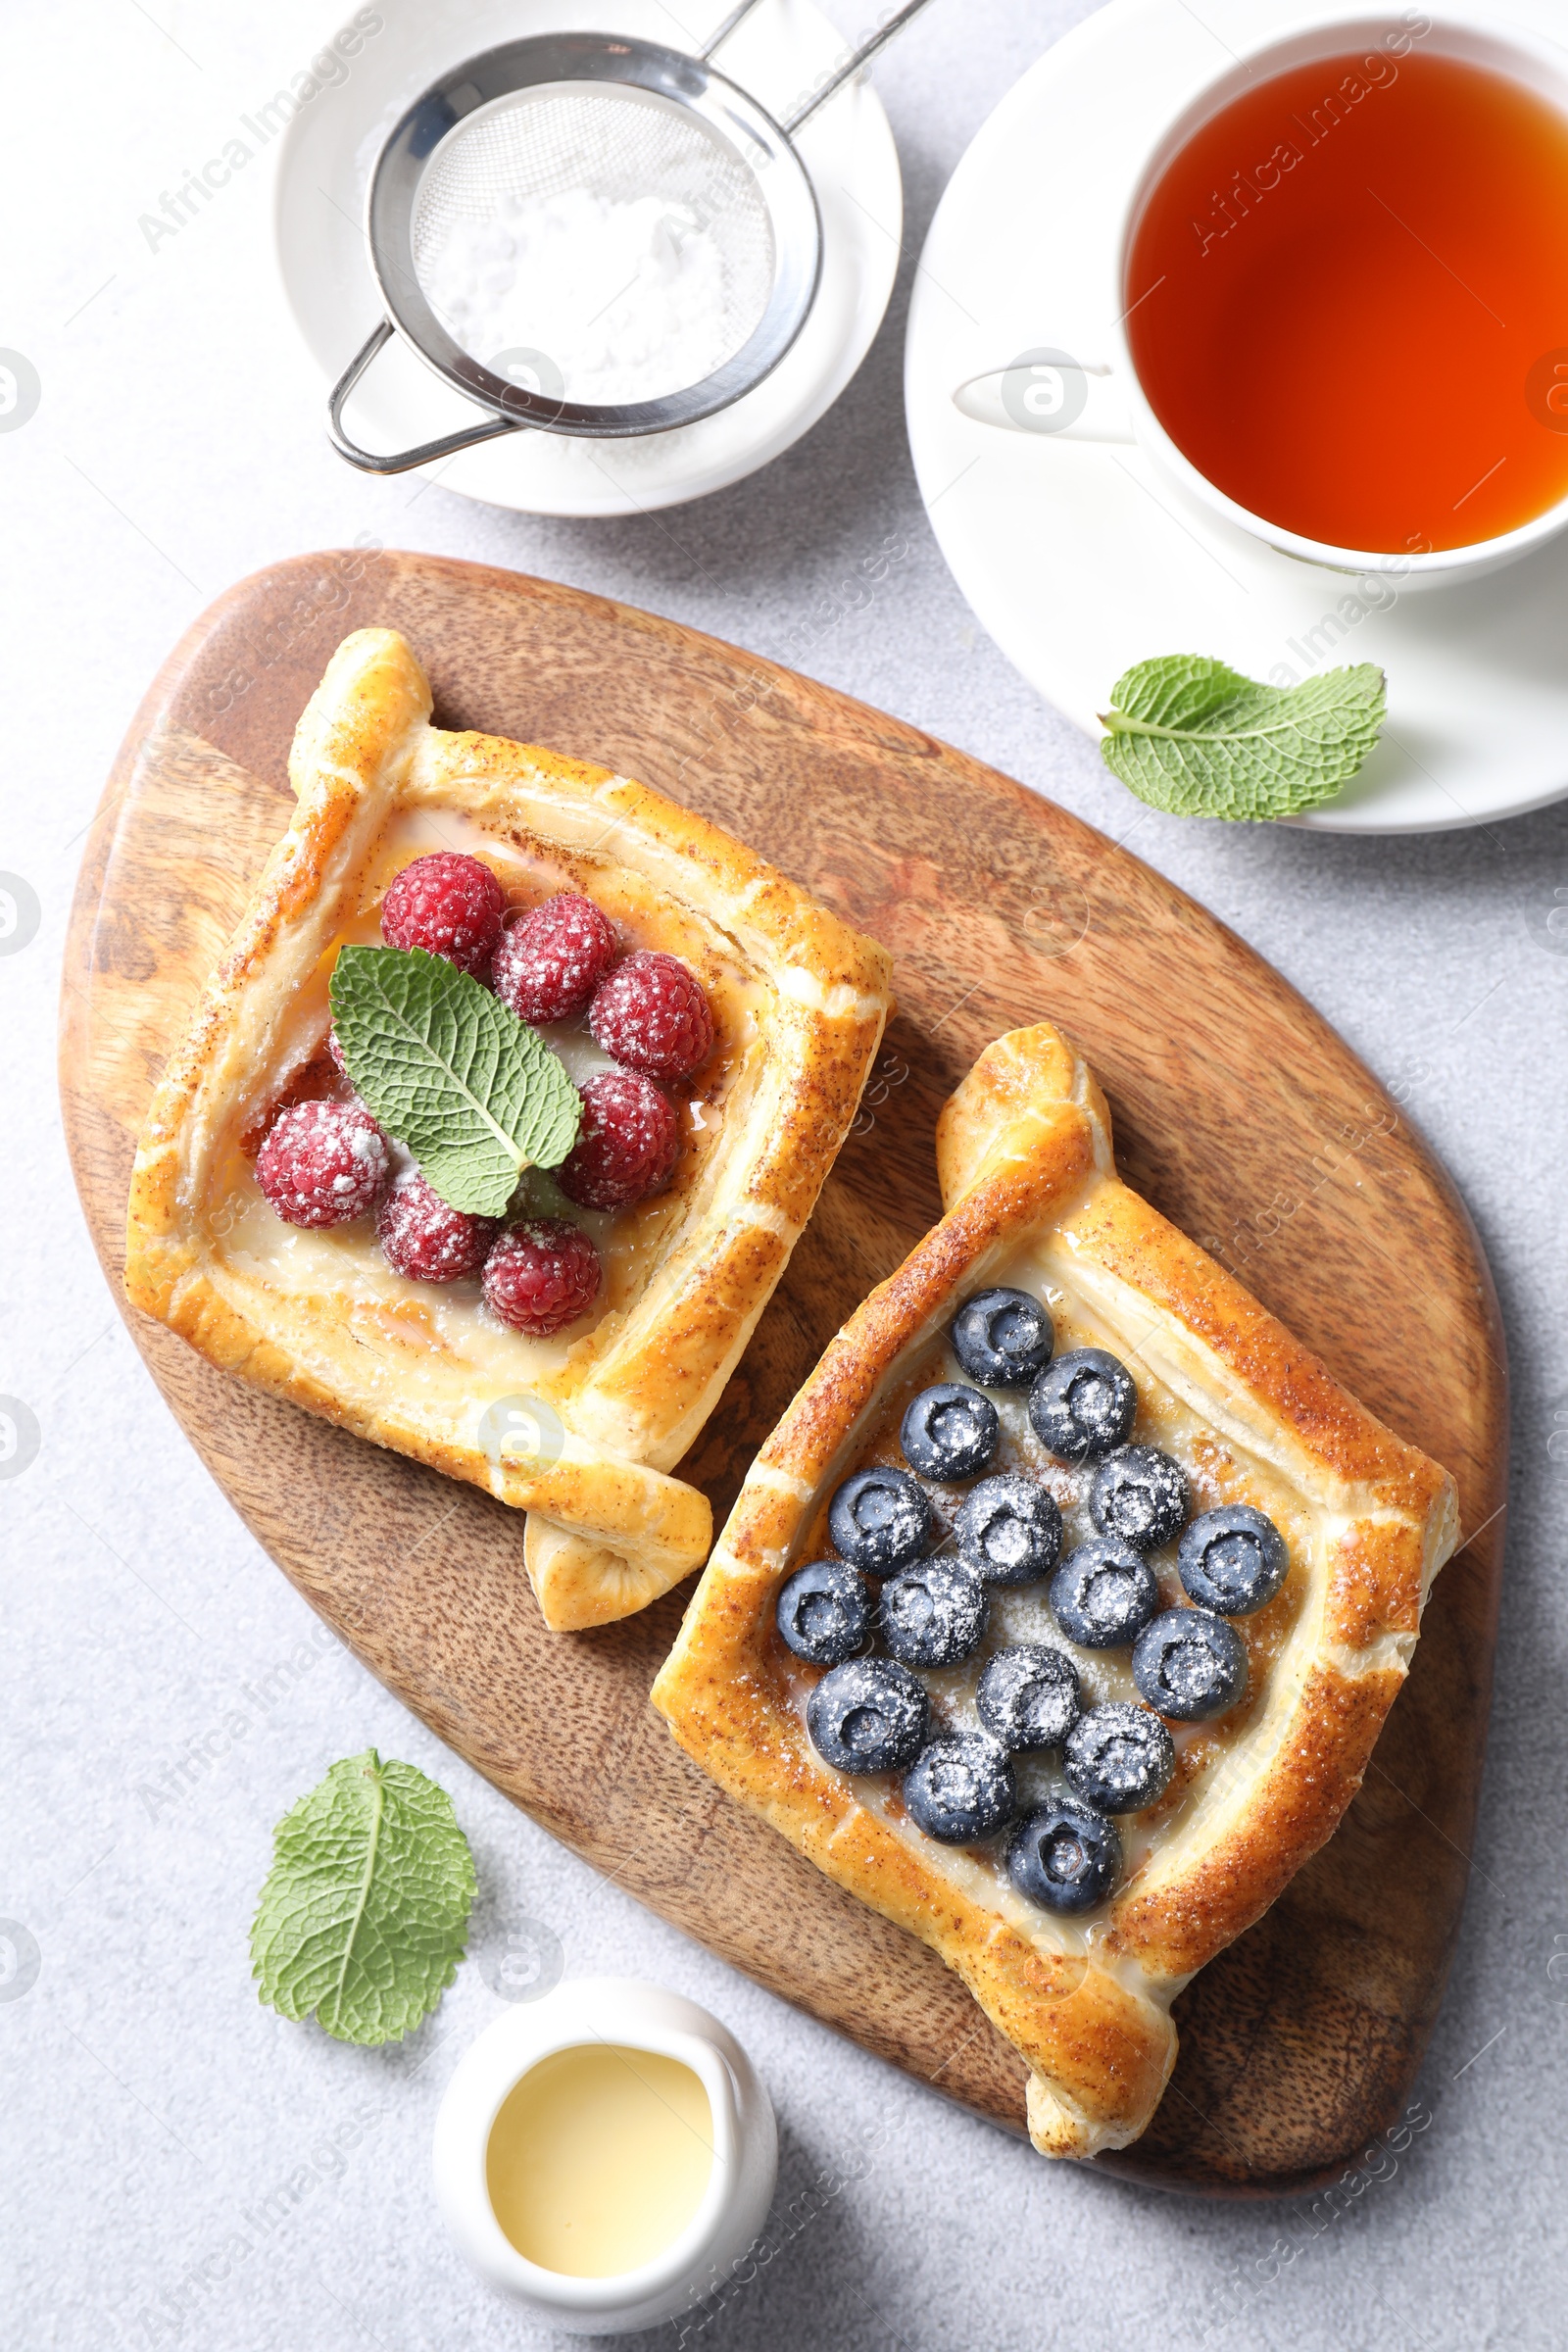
column 365, row 1908
column 474, row 1092
column 1198, row 739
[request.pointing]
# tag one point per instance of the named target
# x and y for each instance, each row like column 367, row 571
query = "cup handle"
column 1048, row 393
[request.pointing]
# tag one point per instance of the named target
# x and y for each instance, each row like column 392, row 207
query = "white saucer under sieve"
column 620, row 120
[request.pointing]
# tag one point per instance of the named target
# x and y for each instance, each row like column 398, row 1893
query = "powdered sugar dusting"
column 623, row 298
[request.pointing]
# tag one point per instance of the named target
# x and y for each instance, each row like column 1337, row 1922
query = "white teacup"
column 1055, row 394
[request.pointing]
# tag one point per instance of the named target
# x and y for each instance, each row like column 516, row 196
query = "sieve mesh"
column 618, row 145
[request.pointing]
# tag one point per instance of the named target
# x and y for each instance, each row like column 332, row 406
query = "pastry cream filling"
column 1213, row 1760
column 432, row 1349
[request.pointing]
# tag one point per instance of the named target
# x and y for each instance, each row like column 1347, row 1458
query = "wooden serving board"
column 1236, row 1110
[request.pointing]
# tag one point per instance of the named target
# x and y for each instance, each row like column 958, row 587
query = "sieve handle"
column 736, row 17
column 398, row 460
column 851, row 65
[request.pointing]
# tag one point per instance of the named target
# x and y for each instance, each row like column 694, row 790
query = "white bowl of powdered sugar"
column 581, row 295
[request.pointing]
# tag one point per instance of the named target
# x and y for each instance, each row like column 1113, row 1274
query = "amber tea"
column 1349, row 300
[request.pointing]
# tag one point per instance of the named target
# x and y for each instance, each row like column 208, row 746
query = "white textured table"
column 180, row 2166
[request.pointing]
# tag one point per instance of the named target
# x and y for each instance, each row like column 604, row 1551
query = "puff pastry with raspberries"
column 1058, row 1616
column 719, row 1024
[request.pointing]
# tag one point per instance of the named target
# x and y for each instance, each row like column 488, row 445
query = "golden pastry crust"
column 1024, row 1154
column 806, row 999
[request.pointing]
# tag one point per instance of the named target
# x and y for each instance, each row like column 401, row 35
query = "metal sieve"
column 619, row 118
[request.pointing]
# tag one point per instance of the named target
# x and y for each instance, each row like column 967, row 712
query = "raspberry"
column 627, row 1145
column 541, row 1276
column 652, row 1014
column 548, row 965
column 335, row 1049
column 423, row 1236
column 322, row 1163
column 450, row 905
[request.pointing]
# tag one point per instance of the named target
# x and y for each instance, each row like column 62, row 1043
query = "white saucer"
column 1080, row 562
column 324, row 166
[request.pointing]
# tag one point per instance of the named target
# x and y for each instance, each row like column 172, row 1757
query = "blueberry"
column 950, row 1430
column 881, row 1519
column 1103, row 1594
column 1084, row 1406
column 869, row 1716
column 1065, row 1856
column 1190, row 1664
column 1139, row 1496
column 1028, row 1695
column 1233, row 1560
column 1117, row 1757
column 1003, row 1338
column 1010, row 1530
column 935, row 1613
column 824, row 1612
column 960, row 1789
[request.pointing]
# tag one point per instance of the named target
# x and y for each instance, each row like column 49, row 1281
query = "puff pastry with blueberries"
column 1058, row 1618
column 719, row 1021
